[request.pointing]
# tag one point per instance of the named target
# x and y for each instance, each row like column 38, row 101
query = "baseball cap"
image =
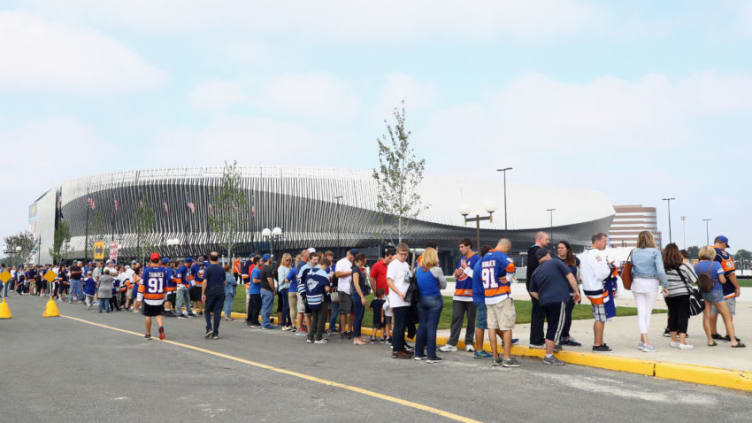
column 354, row 252
column 165, row 260
column 542, row 252
column 266, row 257
column 723, row 239
column 189, row 260
column 154, row 257
column 311, row 250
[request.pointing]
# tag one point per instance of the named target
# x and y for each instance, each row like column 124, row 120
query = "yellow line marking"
column 362, row 391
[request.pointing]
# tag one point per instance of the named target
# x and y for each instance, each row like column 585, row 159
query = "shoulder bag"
column 696, row 302
column 626, row 272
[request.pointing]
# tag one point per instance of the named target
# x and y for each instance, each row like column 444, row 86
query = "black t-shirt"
column 266, row 273
column 362, row 281
column 75, row 272
column 532, row 264
column 214, row 275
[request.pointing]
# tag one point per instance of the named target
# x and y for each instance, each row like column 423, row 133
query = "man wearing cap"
column 730, row 290
column 183, row 295
column 550, row 285
column 254, row 291
column 343, row 272
column 267, row 291
column 151, row 293
column 170, row 288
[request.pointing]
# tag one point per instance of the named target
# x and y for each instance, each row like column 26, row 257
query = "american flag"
column 164, row 204
column 253, row 211
column 116, row 206
column 191, row 207
column 211, row 209
column 91, row 203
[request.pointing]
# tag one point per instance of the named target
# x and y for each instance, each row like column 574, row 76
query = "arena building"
column 321, row 208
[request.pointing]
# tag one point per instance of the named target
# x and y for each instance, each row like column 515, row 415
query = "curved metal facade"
column 299, row 200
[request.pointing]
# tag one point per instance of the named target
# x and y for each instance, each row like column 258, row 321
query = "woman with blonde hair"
column 430, row 283
column 708, row 265
column 647, row 273
column 283, row 286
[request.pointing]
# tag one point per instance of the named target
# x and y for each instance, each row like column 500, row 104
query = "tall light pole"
column 504, row 172
column 338, row 197
column 707, row 230
column 551, row 222
column 684, row 230
column 465, row 211
column 668, row 202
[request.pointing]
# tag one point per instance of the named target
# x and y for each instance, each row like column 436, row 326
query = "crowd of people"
column 313, row 289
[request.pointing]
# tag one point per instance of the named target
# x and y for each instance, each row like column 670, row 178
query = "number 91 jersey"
column 495, row 266
column 152, row 288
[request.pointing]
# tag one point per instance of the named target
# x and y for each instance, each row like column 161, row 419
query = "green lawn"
column 580, row 312
column 746, row 282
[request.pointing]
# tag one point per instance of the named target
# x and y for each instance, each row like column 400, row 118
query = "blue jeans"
column 429, row 311
column 75, row 287
column 335, row 314
column 359, row 310
column 229, row 298
column 104, row 304
column 267, row 301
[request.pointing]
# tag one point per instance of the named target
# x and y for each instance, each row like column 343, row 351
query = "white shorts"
column 301, row 304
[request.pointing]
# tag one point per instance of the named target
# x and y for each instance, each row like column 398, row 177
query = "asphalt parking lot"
column 90, row 367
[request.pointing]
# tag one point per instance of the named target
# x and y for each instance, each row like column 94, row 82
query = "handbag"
column 696, row 302
column 626, row 272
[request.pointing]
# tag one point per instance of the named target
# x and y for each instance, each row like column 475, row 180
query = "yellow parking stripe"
column 362, row 391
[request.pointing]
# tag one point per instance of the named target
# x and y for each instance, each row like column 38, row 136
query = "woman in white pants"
column 647, row 274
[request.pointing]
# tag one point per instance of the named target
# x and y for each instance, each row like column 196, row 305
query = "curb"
column 703, row 375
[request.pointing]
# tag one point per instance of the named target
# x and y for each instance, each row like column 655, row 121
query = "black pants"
column 254, row 309
column 214, row 303
column 114, row 303
column 678, row 313
column 568, row 322
column 318, row 320
column 537, row 318
column 459, row 308
column 555, row 314
column 398, row 334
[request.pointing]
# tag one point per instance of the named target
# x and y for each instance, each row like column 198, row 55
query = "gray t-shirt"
column 549, row 280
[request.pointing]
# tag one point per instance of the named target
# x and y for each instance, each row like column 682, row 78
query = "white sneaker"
column 673, row 344
column 448, row 348
column 686, row 346
column 469, row 348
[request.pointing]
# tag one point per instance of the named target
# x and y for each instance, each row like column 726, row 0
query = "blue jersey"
column 494, row 268
column 463, row 287
column 90, row 287
column 184, row 274
column 292, row 278
column 316, row 279
column 479, row 294
column 152, row 287
column 302, row 273
column 256, row 286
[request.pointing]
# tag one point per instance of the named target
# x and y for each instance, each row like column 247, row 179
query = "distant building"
column 629, row 221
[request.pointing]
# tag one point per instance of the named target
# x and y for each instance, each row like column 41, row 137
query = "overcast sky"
column 637, row 100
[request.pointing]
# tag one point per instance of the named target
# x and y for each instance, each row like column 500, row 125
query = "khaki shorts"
column 501, row 315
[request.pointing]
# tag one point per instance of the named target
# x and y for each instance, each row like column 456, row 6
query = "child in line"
column 90, row 288
column 377, row 306
column 387, row 312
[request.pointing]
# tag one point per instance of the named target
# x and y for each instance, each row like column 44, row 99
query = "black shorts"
column 170, row 298
column 556, row 314
column 195, row 293
column 151, row 310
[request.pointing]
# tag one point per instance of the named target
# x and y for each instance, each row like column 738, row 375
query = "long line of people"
column 313, row 290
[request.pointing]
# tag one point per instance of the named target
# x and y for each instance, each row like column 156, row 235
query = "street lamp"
column 504, row 172
column 551, row 221
column 684, row 230
column 707, row 230
column 465, row 211
column 668, row 202
column 271, row 235
column 338, row 197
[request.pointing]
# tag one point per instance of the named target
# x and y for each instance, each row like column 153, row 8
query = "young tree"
column 26, row 242
column 144, row 221
column 399, row 173
column 693, row 251
column 225, row 217
column 743, row 257
column 60, row 242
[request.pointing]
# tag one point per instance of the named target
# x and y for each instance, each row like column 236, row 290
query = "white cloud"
column 312, row 94
column 40, row 54
column 341, row 19
column 417, row 95
column 217, row 94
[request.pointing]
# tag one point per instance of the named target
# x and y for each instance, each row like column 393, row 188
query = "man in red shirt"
column 378, row 271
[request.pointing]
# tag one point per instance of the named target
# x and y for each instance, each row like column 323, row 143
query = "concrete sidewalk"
column 623, row 336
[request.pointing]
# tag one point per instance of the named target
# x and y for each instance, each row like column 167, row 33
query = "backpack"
column 705, row 279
